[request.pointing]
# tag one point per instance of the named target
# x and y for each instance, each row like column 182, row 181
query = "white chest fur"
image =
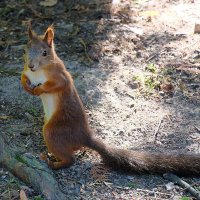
column 49, row 104
column 37, row 77
column 48, row 100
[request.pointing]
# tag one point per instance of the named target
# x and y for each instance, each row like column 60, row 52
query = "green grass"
column 148, row 80
column 185, row 198
column 33, row 111
column 20, row 159
column 132, row 185
column 151, row 79
column 38, row 198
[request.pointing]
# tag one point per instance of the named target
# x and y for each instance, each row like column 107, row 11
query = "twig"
column 190, row 45
column 157, row 130
column 85, row 49
column 2, row 194
column 175, row 179
column 183, row 189
column 35, row 12
column 197, row 128
column 107, row 184
column 155, row 55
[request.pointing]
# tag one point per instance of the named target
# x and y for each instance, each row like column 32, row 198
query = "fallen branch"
column 157, row 130
column 31, row 171
column 176, row 180
column 197, row 128
column 155, row 55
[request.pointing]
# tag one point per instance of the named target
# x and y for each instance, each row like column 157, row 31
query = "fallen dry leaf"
column 23, row 195
column 197, row 28
column 167, row 87
column 99, row 173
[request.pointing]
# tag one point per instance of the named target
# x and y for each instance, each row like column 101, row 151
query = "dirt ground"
column 135, row 65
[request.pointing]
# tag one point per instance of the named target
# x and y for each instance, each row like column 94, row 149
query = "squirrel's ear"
column 30, row 32
column 48, row 36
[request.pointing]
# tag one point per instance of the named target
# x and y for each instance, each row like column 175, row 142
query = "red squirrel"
column 66, row 128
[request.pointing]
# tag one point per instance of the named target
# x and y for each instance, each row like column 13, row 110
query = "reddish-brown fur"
column 67, row 130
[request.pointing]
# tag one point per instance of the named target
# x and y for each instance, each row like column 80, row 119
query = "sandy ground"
column 121, row 110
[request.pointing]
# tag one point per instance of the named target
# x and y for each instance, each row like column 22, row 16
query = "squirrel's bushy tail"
column 146, row 162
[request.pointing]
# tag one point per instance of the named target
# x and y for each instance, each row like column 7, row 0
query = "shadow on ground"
column 99, row 50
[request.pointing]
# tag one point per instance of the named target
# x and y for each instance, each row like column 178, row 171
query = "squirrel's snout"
column 31, row 66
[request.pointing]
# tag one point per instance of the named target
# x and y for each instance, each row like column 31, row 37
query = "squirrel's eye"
column 44, row 53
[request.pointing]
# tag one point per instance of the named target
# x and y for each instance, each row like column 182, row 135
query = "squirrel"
column 66, row 128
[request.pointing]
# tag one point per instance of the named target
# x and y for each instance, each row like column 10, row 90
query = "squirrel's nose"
column 31, row 66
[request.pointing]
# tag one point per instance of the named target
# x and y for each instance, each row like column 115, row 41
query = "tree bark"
column 31, row 171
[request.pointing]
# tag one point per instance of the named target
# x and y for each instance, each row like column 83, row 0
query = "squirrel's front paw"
column 37, row 91
column 29, row 87
column 26, row 83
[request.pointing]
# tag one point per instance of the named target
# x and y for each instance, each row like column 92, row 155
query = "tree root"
column 31, row 171
column 176, row 180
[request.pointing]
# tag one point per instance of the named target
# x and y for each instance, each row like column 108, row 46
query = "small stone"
column 121, row 132
column 169, row 101
column 130, row 177
column 195, row 86
column 161, row 93
column 29, row 116
column 169, row 186
column 134, row 85
column 3, row 177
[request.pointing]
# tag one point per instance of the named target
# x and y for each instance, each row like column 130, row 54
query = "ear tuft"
column 30, row 32
column 49, row 35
